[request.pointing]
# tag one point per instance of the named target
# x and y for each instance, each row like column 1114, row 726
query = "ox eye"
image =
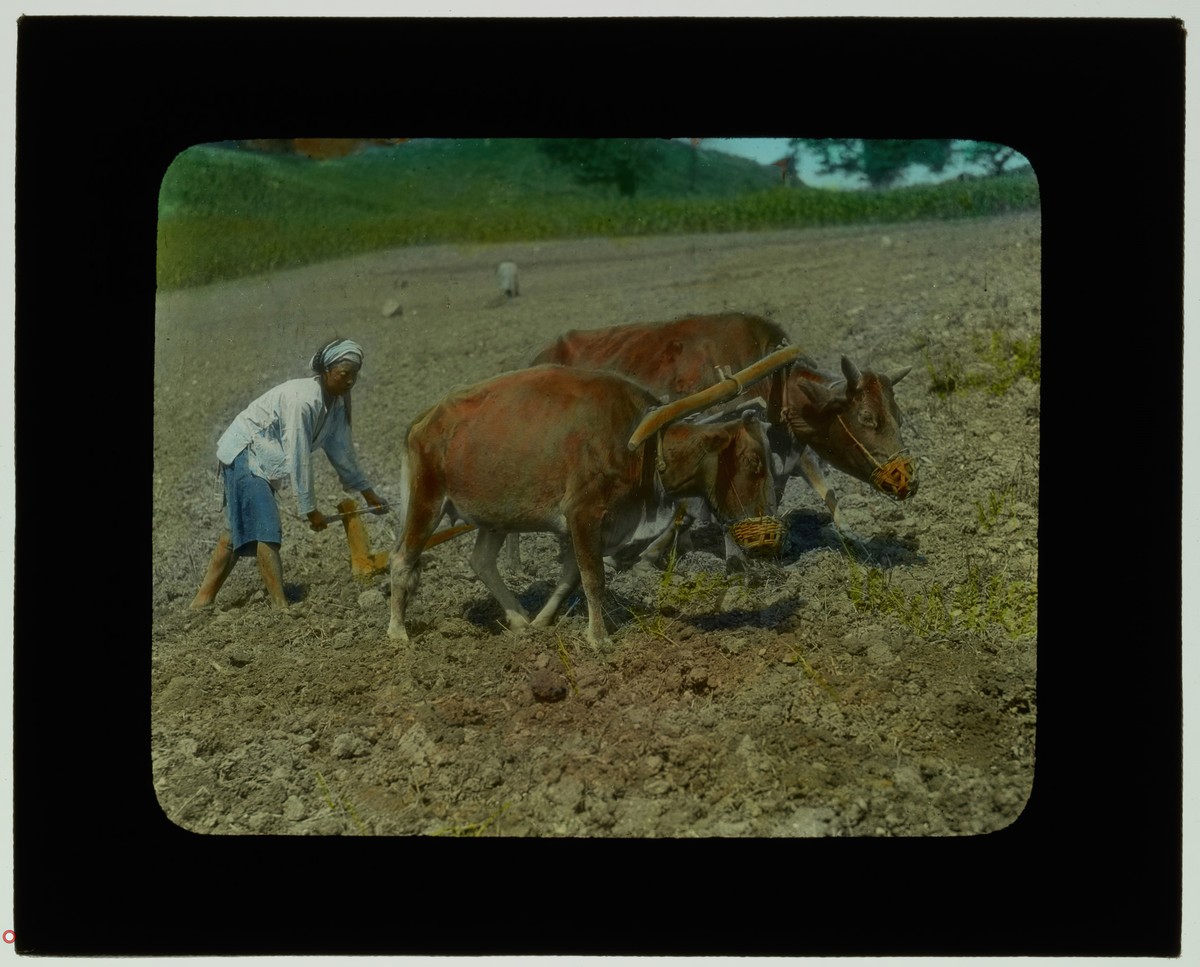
column 867, row 419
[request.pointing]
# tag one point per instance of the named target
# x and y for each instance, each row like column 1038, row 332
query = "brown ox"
column 548, row 449
column 851, row 422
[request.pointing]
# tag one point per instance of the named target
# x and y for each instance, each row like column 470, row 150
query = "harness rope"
column 855, row 441
column 891, row 478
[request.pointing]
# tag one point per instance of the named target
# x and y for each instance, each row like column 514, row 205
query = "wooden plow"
column 365, row 564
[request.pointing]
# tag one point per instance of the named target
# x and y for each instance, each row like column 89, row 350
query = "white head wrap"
column 335, row 352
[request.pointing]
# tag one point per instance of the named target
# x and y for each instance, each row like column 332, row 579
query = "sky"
column 767, row 150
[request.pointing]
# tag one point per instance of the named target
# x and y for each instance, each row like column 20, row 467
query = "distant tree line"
column 621, row 162
column 883, row 162
column 626, row 163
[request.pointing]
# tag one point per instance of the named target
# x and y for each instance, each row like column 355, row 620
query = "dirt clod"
column 548, row 686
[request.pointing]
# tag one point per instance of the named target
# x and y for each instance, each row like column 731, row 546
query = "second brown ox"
column 548, row 449
column 851, row 422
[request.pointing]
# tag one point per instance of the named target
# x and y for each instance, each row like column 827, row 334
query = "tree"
column 993, row 158
column 881, row 162
column 623, row 162
column 694, row 163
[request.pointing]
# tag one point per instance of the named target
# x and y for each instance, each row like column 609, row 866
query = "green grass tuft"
column 990, row 510
column 568, row 668
column 997, row 363
column 976, row 604
column 1010, row 359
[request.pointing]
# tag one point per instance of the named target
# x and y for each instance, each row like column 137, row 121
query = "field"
column 888, row 690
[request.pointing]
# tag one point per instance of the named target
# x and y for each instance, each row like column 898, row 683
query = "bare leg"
column 271, row 569
column 219, row 567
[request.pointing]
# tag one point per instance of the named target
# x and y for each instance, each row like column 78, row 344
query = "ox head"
column 744, row 485
column 854, row 426
column 727, row 463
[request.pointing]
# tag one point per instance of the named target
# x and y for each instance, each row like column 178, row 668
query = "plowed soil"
column 880, row 689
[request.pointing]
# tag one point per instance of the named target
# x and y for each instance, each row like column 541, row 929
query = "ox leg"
column 512, row 551
column 810, row 469
column 406, row 576
column 420, row 524
column 673, row 536
column 568, row 581
column 589, row 558
column 483, row 563
column 735, row 557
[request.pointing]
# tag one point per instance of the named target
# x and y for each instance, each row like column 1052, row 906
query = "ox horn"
column 852, row 374
column 729, row 387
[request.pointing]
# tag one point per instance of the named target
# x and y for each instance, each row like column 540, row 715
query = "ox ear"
column 717, row 438
column 900, row 375
column 853, row 376
column 809, row 394
column 810, row 406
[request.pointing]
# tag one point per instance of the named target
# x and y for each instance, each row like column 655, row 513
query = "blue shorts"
column 250, row 508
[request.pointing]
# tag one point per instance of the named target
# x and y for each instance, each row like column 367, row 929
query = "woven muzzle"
column 758, row 535
column 897, row 478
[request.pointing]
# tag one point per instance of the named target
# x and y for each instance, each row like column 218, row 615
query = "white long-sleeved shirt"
column 282, row 428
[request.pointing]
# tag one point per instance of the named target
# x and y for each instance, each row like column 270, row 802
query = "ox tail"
column 400, row 506
column 405, row 491
column 460, row 526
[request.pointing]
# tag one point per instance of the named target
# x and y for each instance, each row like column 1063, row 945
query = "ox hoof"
column 517, row 622
column 643, row 568
column 396, row 631
column 599, row 644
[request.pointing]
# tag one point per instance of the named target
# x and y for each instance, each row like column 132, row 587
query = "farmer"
column 269, row 445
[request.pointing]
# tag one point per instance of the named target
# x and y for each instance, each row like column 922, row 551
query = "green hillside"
column 225, row 211
column 424, row 176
